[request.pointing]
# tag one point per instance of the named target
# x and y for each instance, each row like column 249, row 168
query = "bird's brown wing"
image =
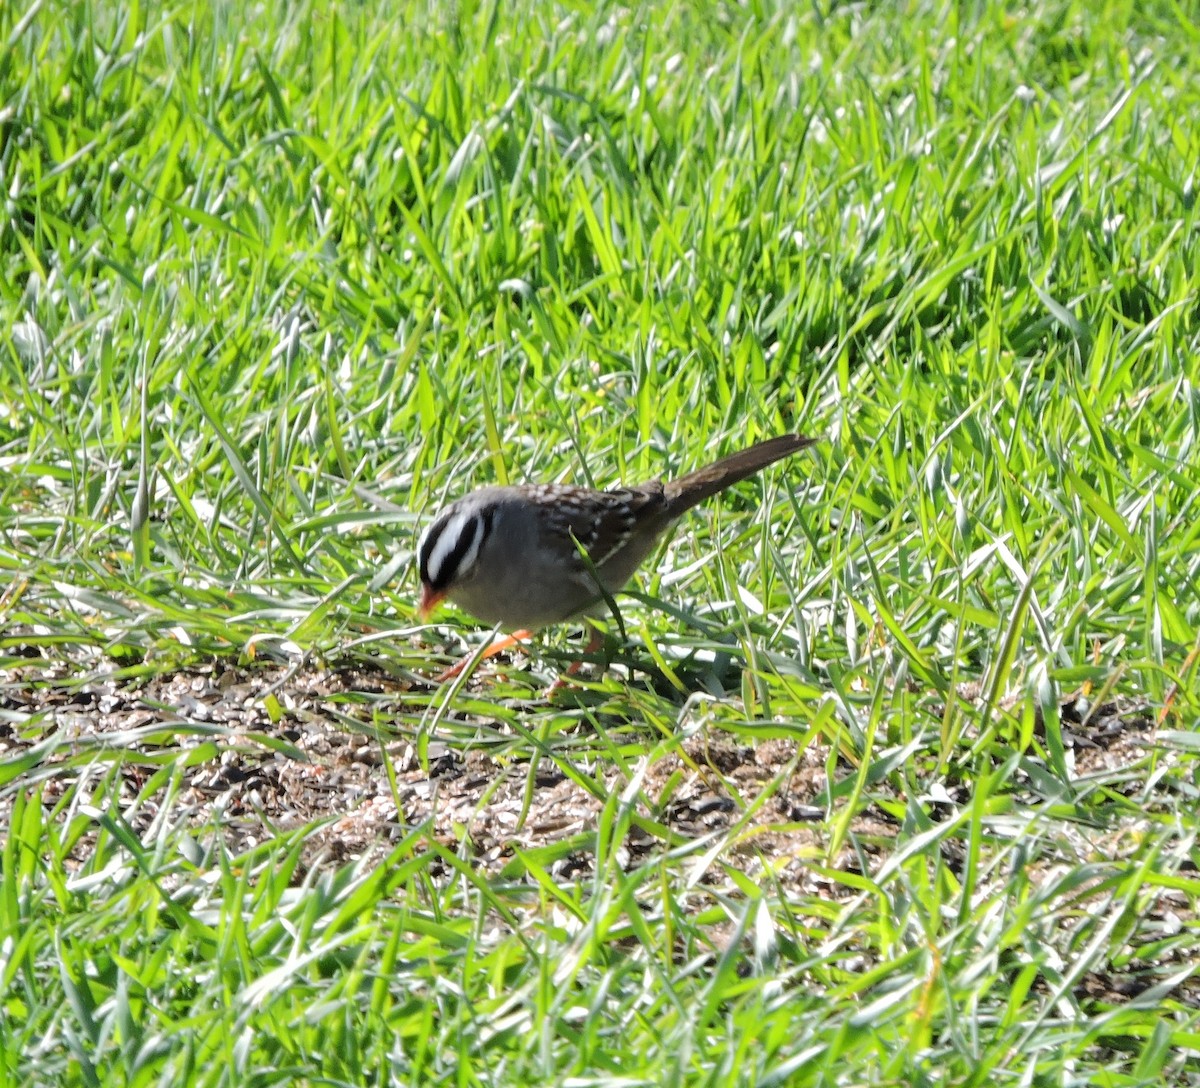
column 601, row 521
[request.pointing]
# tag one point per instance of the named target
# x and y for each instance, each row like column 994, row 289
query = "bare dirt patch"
column 267, row 750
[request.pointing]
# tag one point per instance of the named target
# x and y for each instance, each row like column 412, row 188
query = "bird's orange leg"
column 504, row 642
column 594, row 644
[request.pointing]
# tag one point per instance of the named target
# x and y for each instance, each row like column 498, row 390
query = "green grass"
column 278, row 280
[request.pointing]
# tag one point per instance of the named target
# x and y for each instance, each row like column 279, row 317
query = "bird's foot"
column 595, row 643
column 504, row 642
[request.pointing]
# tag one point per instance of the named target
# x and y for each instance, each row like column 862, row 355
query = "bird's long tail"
column 695, row 487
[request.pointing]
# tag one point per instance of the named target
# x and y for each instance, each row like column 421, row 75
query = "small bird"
column 511, row 555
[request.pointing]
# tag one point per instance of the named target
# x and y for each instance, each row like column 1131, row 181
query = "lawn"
column 889, row 773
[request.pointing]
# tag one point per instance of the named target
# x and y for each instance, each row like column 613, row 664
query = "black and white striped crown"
column 451, row 545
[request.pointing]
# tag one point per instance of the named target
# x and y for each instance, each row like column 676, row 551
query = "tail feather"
column 684, row 493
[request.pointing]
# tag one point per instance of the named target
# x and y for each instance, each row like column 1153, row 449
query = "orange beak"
column 430, row 599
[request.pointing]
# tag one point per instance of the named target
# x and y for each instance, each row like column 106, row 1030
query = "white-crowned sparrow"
column 511, row 555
